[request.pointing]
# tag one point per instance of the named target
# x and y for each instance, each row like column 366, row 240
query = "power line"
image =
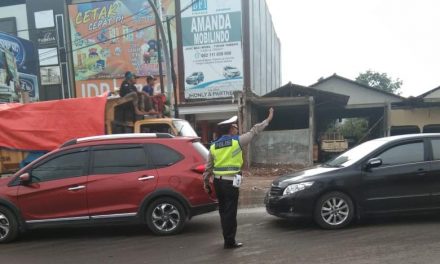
column 37, row 29
column 122, row 35
column 88, row 35
column 100, row 42
column 98, row 30
column 93, row 32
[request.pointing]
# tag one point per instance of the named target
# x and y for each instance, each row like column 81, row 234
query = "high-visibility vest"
column 227, row 154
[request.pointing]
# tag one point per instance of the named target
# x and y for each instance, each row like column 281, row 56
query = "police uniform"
column 225, row 161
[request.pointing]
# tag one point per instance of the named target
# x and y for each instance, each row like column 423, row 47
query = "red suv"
column 154, row 179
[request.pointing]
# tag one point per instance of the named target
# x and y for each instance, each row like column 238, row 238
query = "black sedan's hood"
column 302, row 176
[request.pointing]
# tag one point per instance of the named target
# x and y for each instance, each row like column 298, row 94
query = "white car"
column 230, row 72
column 195, row 78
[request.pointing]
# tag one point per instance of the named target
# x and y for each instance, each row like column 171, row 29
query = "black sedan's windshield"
column 355, row 154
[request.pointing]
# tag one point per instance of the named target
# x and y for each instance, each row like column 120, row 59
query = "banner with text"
column 212, row 48
column 25, row 66
column 112, row 37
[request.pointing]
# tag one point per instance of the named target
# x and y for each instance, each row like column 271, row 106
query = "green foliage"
column 353, row 128
column 380, row 81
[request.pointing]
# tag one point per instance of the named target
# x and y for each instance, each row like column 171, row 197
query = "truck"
column 19, row 145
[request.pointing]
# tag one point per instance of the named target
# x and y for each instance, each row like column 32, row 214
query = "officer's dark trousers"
column 227, row 201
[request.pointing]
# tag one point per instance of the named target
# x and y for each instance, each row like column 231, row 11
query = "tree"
column 350, row 128
column 380, row 81
column 354, row 128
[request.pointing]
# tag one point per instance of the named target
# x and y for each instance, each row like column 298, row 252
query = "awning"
column 207, row 109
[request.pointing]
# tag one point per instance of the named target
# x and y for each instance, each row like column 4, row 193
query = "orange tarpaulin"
column 46, row 125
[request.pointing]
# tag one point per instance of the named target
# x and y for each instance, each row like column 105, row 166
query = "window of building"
column 436, row 148
column 403, row 130
column 44, row 19
column 8, row 25
column 431, row 129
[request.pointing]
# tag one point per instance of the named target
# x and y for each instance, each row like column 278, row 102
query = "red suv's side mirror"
column 25, row 178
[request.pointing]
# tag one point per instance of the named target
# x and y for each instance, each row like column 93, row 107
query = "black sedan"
column 382, row 176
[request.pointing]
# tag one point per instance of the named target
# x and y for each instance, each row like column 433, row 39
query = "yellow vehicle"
column 173, row 126
column 119, row 119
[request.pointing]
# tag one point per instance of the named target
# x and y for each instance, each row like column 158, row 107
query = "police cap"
column 230, row 121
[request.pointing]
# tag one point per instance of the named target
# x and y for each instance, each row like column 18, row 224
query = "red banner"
column 46, row 125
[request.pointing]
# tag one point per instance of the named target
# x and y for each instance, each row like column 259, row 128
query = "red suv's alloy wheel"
column 165, row 216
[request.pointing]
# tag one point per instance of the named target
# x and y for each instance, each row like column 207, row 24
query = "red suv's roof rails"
column 116, row 136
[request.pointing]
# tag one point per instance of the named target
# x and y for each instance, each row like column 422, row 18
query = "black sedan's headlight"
column 293, row 188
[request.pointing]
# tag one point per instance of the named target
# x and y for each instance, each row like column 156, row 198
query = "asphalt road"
column 266, row 238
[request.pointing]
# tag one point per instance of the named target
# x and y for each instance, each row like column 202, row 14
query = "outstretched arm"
column 246, row 138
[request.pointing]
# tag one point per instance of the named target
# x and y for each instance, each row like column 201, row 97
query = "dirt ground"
column 259, row 175
column 257, row 180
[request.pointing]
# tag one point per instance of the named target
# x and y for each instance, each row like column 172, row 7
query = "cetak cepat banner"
column 112, row 37
column 212, row 48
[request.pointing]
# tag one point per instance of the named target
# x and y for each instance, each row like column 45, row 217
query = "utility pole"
column 159, row 50
column 165, row 50
column 173, row 71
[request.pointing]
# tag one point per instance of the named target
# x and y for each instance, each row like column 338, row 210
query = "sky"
column 347, row 37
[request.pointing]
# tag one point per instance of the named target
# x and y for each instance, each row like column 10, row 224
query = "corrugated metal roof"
column 294, row 90
column 356, row 83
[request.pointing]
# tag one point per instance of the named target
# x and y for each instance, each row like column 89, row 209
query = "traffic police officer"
column 225, row 163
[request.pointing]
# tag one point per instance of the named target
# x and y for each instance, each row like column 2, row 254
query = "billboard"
column 212, row 48
column 112, row 37
column 25, row 56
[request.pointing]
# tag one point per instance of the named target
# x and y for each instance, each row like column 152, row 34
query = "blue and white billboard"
column 26, row 58
column 212, row 48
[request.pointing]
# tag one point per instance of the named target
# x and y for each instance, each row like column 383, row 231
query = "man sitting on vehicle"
column 158, row 99
column 128, row 88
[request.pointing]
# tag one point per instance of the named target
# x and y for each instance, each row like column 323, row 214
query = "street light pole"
column 165, row 50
